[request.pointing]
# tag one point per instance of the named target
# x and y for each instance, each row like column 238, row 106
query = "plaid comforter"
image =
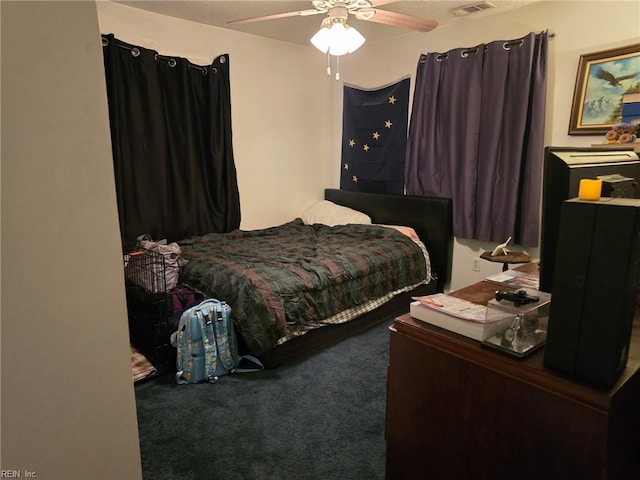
column 282, row 278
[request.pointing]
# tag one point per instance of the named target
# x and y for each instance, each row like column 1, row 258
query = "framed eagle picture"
column 602, row 80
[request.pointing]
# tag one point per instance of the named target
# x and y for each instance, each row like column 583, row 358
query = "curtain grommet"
column 508, row 45
column 214, row 69
column 442, row 57
column 465, row 53
column 135, row 52
column 105, row 42
column 172, row 62
column 223, row 60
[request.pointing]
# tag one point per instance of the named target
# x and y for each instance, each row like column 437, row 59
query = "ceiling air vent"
column 472, row 8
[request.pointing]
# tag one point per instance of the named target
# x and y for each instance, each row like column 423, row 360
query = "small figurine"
column 501, row 249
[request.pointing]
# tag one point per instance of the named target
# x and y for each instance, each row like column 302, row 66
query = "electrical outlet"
column 475, row 266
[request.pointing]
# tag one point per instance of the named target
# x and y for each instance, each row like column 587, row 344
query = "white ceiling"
column 299, row 29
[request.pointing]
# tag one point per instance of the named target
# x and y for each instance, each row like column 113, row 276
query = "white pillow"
column 328, row 213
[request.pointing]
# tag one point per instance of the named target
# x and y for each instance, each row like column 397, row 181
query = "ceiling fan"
column 344, row 38
column 360, row 9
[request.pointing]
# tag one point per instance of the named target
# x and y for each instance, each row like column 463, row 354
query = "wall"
column 579, row 26
column 280, row 113
column 68, row 406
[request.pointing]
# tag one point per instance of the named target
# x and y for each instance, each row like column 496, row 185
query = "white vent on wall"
column 472, row 8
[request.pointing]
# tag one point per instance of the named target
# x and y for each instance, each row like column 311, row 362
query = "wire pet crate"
column 145, row 273
column 146, row 268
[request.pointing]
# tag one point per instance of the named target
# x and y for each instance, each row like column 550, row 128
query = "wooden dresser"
column 456, row 410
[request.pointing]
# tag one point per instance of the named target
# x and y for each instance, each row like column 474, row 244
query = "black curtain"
column 172, row 144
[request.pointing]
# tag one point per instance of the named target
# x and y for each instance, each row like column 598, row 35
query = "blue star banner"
column 374, row 138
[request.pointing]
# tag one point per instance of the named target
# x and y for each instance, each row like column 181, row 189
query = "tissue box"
column 517, row 329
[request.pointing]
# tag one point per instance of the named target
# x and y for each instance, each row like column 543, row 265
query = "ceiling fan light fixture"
column 337, row 38
column 321, row 39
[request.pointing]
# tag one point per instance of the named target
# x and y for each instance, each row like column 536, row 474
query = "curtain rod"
column 135, row 51
column 466, row 52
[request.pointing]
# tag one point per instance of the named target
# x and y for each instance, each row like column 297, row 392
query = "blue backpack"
column 206, row 344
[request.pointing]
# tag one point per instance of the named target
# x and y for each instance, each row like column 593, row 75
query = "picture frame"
column 602, row 79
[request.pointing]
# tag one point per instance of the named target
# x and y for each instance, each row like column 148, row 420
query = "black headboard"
column 430, row 217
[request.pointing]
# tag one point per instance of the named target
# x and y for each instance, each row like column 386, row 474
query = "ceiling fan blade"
column 397, row 19
column 300, row 13
column 377, row 3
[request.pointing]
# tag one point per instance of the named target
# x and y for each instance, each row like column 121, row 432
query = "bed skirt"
column 320, row 338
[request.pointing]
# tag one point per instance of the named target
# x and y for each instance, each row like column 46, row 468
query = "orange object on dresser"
column 590, row 189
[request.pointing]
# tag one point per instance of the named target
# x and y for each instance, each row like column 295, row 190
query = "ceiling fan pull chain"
column 337, row 68
column 328, row 64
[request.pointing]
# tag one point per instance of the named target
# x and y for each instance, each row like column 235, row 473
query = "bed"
column 301, row 286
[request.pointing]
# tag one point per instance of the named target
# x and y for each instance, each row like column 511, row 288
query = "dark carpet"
column 320, row 417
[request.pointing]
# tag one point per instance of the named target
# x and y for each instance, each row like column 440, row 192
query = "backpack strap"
column 228, row 344
column 225, row 338
column 182, row 339
column 209, row 343
column 244, row 368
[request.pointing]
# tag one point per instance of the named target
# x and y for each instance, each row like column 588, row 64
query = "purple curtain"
column 476, row 136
